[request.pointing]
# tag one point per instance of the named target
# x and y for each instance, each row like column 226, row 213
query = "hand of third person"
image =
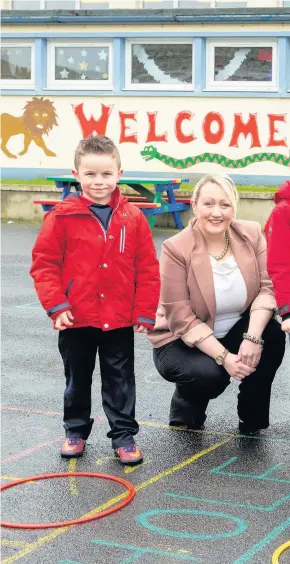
column 140, row 329
column 236, row 368
column 286, row 325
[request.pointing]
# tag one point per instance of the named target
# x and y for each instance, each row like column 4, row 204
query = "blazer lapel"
column 201, row 266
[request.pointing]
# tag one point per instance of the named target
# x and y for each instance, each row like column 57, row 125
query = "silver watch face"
column 219, row 360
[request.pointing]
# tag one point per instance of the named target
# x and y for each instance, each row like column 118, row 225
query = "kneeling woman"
column 215, row 319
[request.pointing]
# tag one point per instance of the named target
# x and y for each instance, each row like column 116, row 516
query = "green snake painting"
column 150, row 152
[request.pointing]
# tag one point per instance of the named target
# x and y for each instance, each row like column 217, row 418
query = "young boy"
column 97, row 276
column 277, row 232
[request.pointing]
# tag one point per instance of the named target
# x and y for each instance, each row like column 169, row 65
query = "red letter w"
column 91, row 125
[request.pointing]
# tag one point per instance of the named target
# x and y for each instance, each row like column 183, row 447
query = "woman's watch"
column 220, row 359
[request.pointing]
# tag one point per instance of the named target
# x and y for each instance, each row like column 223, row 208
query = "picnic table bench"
column 152, row 203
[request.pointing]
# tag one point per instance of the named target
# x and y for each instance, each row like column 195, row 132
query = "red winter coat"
column 277, row 231
column 108, row 280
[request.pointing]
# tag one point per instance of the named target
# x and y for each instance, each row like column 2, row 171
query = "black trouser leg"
column 78, row 348
column 116, row 355
column 255, row 390
column 197, row 377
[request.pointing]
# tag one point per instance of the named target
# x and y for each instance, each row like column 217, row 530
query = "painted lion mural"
column 39, row 117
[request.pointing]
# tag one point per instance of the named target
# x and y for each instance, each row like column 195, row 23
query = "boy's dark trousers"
column 78, row 348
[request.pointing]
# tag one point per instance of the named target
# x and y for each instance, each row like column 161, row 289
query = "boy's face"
column 98, row 176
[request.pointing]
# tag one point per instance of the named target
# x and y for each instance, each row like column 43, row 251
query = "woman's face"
column 213, row 209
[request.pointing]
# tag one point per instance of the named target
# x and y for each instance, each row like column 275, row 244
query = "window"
column 59, row 5
column 95, row 5
column 194, row 4
column 17, row 66
column 163, row 5
column 80, row 65
column 242, row 65
column 26, row 5
column 159, row 64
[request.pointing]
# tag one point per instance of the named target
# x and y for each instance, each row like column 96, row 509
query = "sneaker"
column 129, row 454
column 72, row 447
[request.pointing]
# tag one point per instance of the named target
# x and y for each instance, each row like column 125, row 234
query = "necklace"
column 223, row 254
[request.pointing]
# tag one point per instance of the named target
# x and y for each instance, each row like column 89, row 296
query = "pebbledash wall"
column 182, row 92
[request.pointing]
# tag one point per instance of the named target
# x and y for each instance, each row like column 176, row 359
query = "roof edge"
column 129, row 17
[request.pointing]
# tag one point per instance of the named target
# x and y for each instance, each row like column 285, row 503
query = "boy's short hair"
column 98, row 145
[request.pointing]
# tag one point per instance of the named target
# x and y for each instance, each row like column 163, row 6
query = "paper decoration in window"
column 77, row 63
column 162, row 63
column 243, row 64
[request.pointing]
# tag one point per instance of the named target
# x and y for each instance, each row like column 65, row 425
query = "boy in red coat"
column 97, row 276
column 278, row 242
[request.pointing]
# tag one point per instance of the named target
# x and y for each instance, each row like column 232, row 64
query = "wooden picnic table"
column 140, row 184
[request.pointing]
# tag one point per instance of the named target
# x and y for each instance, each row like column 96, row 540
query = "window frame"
column 20, row 84
column 241, row 86
column 76, row 85
column 129, row 85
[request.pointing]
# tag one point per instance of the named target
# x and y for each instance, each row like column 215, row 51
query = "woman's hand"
column 236, row 368
column 286, row 325
column 64, row 320
column 250, row 353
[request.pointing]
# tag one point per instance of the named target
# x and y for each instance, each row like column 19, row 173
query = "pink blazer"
column 187, row 302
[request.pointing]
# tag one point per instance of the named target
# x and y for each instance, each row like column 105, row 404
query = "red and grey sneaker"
column 129, row 454
column 72, row 447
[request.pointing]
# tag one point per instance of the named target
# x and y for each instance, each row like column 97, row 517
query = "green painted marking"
column 272, row 507
column 219, row 470
column 32, row 305
column 144, row 521
column 256, row 548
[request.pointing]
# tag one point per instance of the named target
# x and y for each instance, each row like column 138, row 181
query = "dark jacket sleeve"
column 278, row 255
column 147, row 277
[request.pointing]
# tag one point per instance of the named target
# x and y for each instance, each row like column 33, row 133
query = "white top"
column 230, row 294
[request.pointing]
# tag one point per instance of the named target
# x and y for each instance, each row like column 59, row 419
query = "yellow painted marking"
column 14, row 479
column 129, row 469
column 72, row 480
column 6, row 542
column 101, row 460
column 165, row 426
column 278, row 552
column 43, row 540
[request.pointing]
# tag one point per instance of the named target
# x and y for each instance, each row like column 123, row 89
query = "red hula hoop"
column 104, row 513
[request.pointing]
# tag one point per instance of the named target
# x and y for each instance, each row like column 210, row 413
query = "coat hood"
column 283, row 193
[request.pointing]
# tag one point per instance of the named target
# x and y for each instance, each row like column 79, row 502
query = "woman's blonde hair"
column 225, row 183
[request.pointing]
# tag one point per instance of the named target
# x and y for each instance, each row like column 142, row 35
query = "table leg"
column 175, row 214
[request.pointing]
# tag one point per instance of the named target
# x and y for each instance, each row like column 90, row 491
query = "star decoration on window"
column 105, row 75
column 103, row 55
column 60, row 51
column 71, row 60
column 97, row 69
column 83, row 65
column 64, row 73
column 83, row 77
column 83, row 53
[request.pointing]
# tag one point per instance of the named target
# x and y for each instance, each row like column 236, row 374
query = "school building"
column 184, row 87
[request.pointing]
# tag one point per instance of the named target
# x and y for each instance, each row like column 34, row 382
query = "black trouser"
column 78, row 348
column 198, row 378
